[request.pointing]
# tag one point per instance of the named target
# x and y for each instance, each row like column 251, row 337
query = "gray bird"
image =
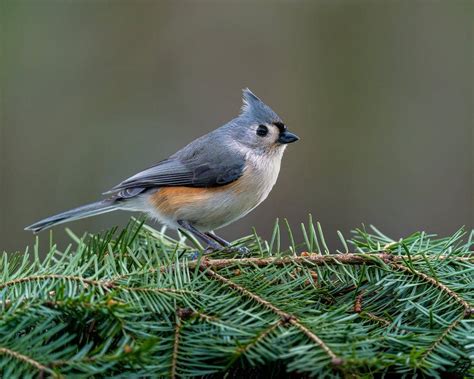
column 212, row 182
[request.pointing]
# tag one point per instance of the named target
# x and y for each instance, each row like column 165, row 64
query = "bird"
column 213, row 181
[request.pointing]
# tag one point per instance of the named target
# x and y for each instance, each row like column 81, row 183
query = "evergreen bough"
column 136, row 304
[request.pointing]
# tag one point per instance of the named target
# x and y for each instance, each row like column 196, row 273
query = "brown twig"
column 375, row 318
column 99, row 283
column 318, row 259
column 174, row 356
column 358, row 302
column 286, row 318
column 313, row 259
column 308, row 258
column 28, row 360
column 108, row 284
column 364, row 314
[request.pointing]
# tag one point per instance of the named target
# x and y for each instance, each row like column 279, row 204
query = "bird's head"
column 259, row 127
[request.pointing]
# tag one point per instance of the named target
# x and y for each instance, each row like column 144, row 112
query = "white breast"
column 262, row 172
column 241, row 197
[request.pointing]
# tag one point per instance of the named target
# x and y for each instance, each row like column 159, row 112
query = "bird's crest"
column 256, row 109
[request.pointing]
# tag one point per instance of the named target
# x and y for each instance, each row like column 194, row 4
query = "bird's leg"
column 212, row 245
column 228, row 245
column 218, row 239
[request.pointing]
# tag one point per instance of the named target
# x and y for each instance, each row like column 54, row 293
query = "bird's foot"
column 208, row 250
column 193, row 256
column 240, row 250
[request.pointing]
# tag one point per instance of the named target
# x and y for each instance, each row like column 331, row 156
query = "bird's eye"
column 262, row 131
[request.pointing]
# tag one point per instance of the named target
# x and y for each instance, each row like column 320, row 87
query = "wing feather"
column 172, row 172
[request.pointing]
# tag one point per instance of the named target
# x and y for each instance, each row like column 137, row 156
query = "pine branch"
column 319, row 259
column 441, row 337
column 468, row 308
column 335, row 360
column 174, row 358
column 243, row 349
column 304, row 259
column 30, row 361
column 285, row 317
column 135, row 304
column 84, row 281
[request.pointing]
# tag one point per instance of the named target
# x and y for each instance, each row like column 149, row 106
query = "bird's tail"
column 88, row 210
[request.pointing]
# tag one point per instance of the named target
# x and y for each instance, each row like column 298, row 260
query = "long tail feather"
column 88, row 210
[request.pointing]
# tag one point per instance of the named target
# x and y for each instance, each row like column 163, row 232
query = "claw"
column 194, row 255
column 209, row 250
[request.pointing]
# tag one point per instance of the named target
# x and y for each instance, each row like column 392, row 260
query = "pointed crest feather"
column 255, row 108
column 249, row 100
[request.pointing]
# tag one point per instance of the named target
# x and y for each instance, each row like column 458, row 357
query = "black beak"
column 287, row 137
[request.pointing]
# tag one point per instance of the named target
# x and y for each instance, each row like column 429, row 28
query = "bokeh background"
column 380, row 92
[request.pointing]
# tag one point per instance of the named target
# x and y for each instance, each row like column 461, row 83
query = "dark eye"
column 262, row 131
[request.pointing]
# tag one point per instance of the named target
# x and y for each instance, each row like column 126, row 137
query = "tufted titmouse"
column 215, row 180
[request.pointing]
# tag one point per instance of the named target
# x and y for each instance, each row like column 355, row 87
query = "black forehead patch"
column 280, row 125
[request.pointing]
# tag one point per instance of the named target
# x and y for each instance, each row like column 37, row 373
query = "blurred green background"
column 381, row 94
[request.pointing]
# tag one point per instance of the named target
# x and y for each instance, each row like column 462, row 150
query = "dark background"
column 381, row 94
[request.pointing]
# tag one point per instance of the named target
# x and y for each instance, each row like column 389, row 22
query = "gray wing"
column 194, row 166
